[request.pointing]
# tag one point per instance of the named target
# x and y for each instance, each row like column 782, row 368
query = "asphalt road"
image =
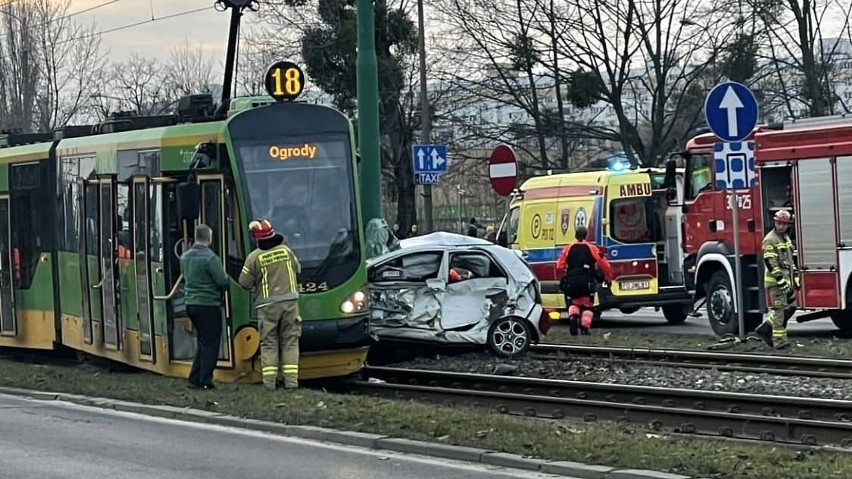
column 648, row 320
column 48, row 439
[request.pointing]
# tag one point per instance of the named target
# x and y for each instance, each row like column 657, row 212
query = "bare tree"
column 19, row 73
column 137, row 85
column 187, row 72
column 652, row 53
column 795, row 52
column 499, row 38
column 70, row 60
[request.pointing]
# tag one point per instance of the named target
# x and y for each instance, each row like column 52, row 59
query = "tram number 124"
column 313, row 287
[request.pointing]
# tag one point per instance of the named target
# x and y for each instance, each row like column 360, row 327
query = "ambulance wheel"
column 842, row 319
column 509, row 337
column 628, row 310
column 720, row 307
column 676, row 313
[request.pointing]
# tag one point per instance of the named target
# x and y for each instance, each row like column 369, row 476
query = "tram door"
column 106, row 251
column 8, row 319
column 142, row 245
column 212, row 213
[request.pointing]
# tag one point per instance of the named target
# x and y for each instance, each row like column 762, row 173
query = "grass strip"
column 610, row 444
column 819, row 347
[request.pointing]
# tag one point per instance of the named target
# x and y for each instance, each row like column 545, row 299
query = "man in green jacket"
column 205, row 280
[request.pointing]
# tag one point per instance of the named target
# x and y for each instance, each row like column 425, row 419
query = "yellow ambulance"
column 626, row 212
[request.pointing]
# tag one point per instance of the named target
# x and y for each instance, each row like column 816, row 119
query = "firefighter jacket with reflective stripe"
column 272, row 275
column 778, row 258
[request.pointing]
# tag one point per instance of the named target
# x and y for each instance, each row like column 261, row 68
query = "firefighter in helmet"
column 584, row 265
column 780, row 279
column 271, row 271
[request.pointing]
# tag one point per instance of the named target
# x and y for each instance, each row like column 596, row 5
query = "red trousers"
column 583, row 305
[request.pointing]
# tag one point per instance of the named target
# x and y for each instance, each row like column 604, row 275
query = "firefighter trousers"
column 775, row 314
column 280, row 330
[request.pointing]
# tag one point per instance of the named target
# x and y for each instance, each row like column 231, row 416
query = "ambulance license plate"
column 633, row 285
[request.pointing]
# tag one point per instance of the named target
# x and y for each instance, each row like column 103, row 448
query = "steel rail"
column 722, row 361
column 780, row 419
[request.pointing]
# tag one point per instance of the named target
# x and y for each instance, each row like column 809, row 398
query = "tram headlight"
column 356, row 302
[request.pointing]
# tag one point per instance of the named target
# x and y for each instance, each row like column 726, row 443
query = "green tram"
column 93, row 221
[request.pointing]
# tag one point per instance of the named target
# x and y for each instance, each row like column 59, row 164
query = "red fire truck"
column 803, row 166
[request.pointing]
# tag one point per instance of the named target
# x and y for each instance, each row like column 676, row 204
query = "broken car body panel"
column 412, row 295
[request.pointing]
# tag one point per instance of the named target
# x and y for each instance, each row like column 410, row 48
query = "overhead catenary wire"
column 136, row 24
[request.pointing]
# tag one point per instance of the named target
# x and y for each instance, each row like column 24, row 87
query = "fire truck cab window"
column 700, row 175
column 630, row 220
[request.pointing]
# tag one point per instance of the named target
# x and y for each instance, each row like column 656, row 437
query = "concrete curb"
column 351, row 438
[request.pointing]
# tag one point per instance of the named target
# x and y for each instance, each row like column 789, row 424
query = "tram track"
column 779, row 419
column 721, row 361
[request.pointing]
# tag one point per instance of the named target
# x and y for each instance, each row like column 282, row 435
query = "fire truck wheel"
column 676, row 313
column 720, row 307
column 842, row 319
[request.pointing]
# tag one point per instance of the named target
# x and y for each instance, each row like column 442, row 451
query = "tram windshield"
column 304, row 186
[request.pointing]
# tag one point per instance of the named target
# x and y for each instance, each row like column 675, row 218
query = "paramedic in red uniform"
column 582, row 262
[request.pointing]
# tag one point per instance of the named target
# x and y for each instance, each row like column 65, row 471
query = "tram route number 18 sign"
column 284, row 81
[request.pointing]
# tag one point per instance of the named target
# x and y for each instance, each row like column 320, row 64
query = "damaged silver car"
column 449, row 288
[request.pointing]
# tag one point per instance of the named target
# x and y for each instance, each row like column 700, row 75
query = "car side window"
column 410, row 267
column 480, row 265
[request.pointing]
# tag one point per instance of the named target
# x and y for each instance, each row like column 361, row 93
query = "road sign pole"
column 738, row 275
column 425, row 115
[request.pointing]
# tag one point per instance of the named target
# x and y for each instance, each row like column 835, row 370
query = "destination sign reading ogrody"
column 306, row 151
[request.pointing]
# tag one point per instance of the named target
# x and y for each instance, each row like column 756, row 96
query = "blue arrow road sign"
column 734, row 165
column 731, row 111
column 429, row 158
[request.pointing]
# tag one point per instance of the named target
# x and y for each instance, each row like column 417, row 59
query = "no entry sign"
column 503, row 170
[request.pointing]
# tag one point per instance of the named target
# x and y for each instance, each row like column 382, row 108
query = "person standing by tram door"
column 585, row 268
column 205, row 280
column 780, row 280
column 271, row 271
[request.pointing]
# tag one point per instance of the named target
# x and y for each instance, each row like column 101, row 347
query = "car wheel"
column 509, row 336
column 676, row 313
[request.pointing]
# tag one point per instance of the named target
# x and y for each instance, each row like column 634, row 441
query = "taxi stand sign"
column 731, row 112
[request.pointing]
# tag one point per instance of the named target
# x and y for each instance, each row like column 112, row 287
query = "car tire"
column 509, row 336
column 676, row 313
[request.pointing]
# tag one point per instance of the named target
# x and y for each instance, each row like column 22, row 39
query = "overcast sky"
column 207, row 28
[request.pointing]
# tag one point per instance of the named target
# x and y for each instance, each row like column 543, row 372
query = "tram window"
column 156, row 223
column 72, row 168
column 32, row 234
column 124, row 224
column 232, row 233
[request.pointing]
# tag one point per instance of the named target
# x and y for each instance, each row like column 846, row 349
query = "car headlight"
column 356, row 302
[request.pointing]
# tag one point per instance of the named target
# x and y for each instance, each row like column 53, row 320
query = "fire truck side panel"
column 843, row 187
column 816, row 230
column 821, row 157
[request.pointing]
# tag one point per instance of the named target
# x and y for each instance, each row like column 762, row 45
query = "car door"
column 403, row 292
column 477, row 299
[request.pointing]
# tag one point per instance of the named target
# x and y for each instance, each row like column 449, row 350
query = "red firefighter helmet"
column 783, row 216
column 261, row 229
